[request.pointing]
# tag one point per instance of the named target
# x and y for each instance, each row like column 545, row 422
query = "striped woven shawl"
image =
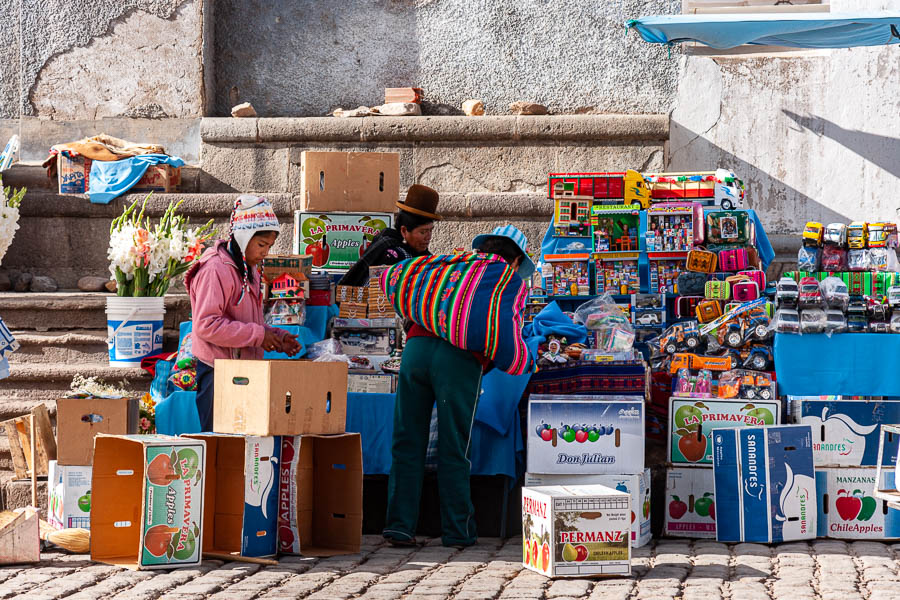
column 474, row 301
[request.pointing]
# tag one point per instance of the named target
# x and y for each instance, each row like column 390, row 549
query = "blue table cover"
column 848, row 364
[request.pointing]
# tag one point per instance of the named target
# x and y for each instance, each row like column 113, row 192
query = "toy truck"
column 812, row 234
column 756, row 385
column 718, row 188
column 602, row 189
column 749, row 324
column 680, row 336
column 836, row 233
column 686, row 360
column 857, row 235
column 877, row 235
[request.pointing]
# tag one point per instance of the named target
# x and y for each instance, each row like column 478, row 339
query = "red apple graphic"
column 632, row 516
column 581, row 436
column 692, row 445
column 582, row 553
column 847, row 506
column 285, row 538
column 712, row 511
column 546, row 434
column 677, row 508
column 319, row 253
column 545, row 556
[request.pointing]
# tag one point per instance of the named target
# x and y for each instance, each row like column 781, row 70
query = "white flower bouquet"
column 10, row 200
column 143, row 258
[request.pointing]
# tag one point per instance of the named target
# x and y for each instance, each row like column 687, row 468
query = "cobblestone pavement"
column 826, row 569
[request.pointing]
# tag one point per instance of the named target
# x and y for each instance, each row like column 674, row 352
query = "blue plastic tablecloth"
column 848, row 364
column 372, row 416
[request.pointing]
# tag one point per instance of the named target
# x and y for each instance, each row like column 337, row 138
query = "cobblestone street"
column 827, row 569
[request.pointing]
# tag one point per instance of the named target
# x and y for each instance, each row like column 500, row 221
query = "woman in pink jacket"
column 226, row 299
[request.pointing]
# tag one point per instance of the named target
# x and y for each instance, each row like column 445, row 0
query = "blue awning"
column 795, row 30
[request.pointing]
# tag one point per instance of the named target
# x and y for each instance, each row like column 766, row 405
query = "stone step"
column 32, row 382
column 77, row 346
column 17, row 493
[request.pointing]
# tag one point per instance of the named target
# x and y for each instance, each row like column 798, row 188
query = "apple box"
column 848, row 508
column 69, row 491
column 585, row 434
column 349, row 181
column 845, row 432
column 637, row 486
column 147, row 501
column 690, row 503
column 692, row 421
column 765, row 485
column 279, row 397
column 78, row 420
column 240, row 515
column 320, row 499
column 337, row 240
column 576, row 530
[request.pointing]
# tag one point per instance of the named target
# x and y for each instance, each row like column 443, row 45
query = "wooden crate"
column 18, row 431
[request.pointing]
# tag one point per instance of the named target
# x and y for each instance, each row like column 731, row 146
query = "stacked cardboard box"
column 379, row 305
column 74, row 175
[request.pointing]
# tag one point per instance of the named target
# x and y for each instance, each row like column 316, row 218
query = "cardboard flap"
column 117, row 485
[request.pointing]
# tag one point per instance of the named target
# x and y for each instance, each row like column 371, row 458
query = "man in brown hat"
column 408, row 238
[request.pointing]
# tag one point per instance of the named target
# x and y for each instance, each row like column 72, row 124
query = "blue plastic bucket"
column 134, row 329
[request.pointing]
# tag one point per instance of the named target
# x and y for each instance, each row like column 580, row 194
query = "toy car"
column 878, row 311
column 736, row 331
column 835, row 321
column 648, row 318
column 893, row 296
column 857, row 235
column 834, row 293
column 758, row 358
column 679, row 336
column 787, row 293
column 812, row 234
column 812, row 320
column 810, row 296
column 834, row 258
column 787, row 320
column 879, row 327
column 895, row 323
column 756, row 386
column 835, row 233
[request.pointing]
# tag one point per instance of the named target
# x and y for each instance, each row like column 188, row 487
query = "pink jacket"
column 222, row 328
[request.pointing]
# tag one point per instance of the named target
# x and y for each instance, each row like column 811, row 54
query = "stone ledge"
column 72, row 300
column 594, row 128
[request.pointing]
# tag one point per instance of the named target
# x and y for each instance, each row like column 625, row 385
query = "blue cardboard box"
column 845, row 432
column 765, row 484
column 848, row 509
column 241, row 512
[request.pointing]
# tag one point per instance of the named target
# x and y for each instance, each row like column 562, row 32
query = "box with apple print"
column 637, row 486
column 337, row 240
column 692, row 421
column 847, row 508
column 585, row 434
column 845, row 432
column 690, row 503
column 576, row 530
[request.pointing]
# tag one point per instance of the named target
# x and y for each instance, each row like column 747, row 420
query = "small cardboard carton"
column 158, row 178
column 241, row 509
column 78, row 420
column 147, row 501
column 320, row 495
column 765, row 484
column 692, row 421
column 337, row 240
column 371, row 384
column 20, row 540
column 74, row 176
column 585, row 434
column 279, row 397
column 69, row 491
column 349, row 181
column 576, row 530
column 845, row 432
column 690, row 503
column 637, row 486
column 848, row 509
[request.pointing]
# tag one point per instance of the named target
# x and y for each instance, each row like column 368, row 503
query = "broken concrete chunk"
column 398, row 109
column 92, row 284
column 527, row 108
column 473, row 108
column 243, row 110
column 361, row 111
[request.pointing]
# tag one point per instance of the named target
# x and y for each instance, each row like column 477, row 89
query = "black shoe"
column 397, row 543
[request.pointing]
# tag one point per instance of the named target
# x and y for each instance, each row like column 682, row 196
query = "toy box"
column 693, row 421
column 690, row 503
column 572, row 216
column 648, row 311
column 663, row 269
column 585, row 434
column 617, row 273
column 845, row 432
column 765, row 484
column 568, row 274
column 573, row 531
column 69, row 491
column 847, row 508
column 367, row 341
column 337, row 240
column 364, row 182
column 371, row 384
column 637, row 486
column 729, row 227
column 241, row 508
column 674, row 227
column 147, row 501
column 615, row 230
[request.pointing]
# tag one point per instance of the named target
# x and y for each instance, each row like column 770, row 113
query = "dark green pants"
column 433, row 371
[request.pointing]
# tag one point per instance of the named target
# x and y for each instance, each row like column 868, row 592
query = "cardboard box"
column 371, row 384
column 578, row 530
column 690, row 503
column 74, row 177
column 765, row 484
column 320, row 495
column 692, row 421
column 69, row 491
column 349, row 181
column 158, row 178
column 342, row 323
column 147, row 501
column 20, row 540
column 848, row 509
column 279, row 397
column 337, row 240
column 636, row 486
column 78, row 420
column 241, row 509
column 367, row 341
column 350, row 293
column 845, row 432
column 353, row 310
column 585, row 434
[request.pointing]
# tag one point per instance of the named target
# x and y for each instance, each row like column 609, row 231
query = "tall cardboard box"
column 845, row 432
column 849, row 510
column 349, row 181
column 576, row 530
column 636, row 486
column 279, row 397
column 765, row 484
column 240, row 514
column 78, row 420
column 147, row 501
column 585, row 434
column 69, row 491
column 320, row 498
column 690, row 503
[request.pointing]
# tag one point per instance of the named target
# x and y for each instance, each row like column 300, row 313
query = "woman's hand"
column 271, row 342
column 289, row 344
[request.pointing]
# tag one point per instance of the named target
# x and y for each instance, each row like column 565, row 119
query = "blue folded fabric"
column 177, row 414
column 111, row 179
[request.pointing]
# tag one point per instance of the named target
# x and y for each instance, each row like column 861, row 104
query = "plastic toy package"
column 745, row 384
column 786, row 293
column 834, row 258
column 812, row 320
column 808, row 259
column 834, row 293
column 787, row 320
column 883, row 259
column 835, row 321
column 693, row 386
column 614, row 332
column 858, row 260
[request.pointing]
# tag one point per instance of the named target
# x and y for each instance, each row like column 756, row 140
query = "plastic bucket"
column 134, row 329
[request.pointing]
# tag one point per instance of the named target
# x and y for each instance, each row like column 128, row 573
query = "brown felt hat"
column 421, row 200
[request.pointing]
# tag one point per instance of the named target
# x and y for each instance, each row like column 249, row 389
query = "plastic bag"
column 834, row 258
column 184, row 372
column 326, row 348
column 613, row 330
column 812, row 320
column 883, row 259
column 834, row 292
column 808, row 259
column 858, row 260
